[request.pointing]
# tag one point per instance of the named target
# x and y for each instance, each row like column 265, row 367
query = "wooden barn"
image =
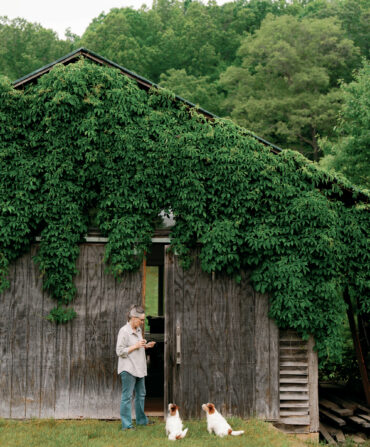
column 215, row 340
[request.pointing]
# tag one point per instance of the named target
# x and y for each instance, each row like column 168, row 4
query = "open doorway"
column 153, row 302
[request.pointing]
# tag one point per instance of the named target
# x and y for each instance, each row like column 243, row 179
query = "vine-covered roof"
column 348, row 192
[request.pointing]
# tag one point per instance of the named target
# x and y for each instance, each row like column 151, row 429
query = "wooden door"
column 220, row 346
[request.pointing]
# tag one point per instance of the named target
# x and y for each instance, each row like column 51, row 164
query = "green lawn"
column 92, row 433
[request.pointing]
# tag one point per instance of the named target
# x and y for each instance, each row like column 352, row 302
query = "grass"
column 93, row 433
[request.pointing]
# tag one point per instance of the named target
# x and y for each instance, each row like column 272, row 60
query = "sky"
column 62, row 14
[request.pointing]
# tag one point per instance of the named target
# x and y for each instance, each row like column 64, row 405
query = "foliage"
column 350, row 154
column 285, row 88
column 85, row 137
column 200, row 90
column 27, row 46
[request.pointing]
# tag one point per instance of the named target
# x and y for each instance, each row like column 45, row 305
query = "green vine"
column 85, row 138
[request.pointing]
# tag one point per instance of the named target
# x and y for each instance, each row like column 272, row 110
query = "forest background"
column 296, row 72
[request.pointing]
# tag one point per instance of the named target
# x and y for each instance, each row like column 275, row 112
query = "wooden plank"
column 359, row 421
column 339, row 435
column 19, row 339
column 247, row 302
column 94, row 370
column 293, row 396
column 294, row 372
column 331, row 417
column 294, row 404
column 191, row 301
column 294, row 364
column 335, row 408
column 293, row 380
column 296, row 420
column 107, row 342
column 168, row 325
column 35, row 316
column 363, row 408
column 76, row 407
column 302, row 412
column 48, row 353
column 313, row 385
column 6, row 305
column 302, row 389
column 62, row 369
column 262, row 356
column 274, row 407
column 326, row 435
column 364, row 416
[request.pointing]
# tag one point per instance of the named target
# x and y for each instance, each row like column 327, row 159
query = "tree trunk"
column 357, row 345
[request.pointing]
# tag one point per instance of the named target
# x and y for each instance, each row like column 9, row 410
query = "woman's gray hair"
column 135, row 311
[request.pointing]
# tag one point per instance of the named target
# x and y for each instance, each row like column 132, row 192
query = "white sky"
column 62, row 14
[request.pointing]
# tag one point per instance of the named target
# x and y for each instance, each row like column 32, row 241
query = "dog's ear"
column 211, row 408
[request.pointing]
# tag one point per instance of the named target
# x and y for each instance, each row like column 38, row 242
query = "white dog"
column 217, row 423
column 174, row 428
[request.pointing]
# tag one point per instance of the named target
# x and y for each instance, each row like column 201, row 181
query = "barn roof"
column 348, row 193
column 142, row 82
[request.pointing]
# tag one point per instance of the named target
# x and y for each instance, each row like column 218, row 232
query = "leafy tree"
column 27, row 46
column 352, row 14
column 350, row 154
column 199, row 90
column 286, row 86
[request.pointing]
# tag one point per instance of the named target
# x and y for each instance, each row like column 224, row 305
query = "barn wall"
column 64, row 371
column 229, row 347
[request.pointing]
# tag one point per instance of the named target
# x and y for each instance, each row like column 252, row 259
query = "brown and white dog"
column 217, row 423
column 174, row 428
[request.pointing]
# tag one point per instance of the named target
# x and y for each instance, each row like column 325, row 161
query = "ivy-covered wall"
column 85, row 138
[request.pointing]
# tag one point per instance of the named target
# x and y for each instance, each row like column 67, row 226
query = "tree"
column 350, row 153
column 286, row 88
column 27, row 46
column 199, row 90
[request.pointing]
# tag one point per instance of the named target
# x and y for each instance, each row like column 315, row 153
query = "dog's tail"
column 182, row 434
column 174, row 437
column 235, row 433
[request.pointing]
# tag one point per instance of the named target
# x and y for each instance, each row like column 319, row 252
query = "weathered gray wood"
column 262, row 356
column 332, row 418
column 93, row 363
column 19, row 339
column 106, row 343
column 6, row 304
column 335, row 408
column 247, row 302
column 34, row 345
column 48, row 355
column 274, row 408
column 218, row 345
column 168, row 328
column 76, row 408
column 313, row 384
column 326, row 435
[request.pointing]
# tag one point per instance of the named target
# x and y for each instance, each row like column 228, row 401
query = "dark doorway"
column 154, row 330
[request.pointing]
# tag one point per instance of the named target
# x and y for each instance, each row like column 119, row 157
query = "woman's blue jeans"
column 129, row 384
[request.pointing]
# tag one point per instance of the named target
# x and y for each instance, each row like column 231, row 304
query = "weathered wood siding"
column 229, row 346
column 64, row 371
column 298, row 384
